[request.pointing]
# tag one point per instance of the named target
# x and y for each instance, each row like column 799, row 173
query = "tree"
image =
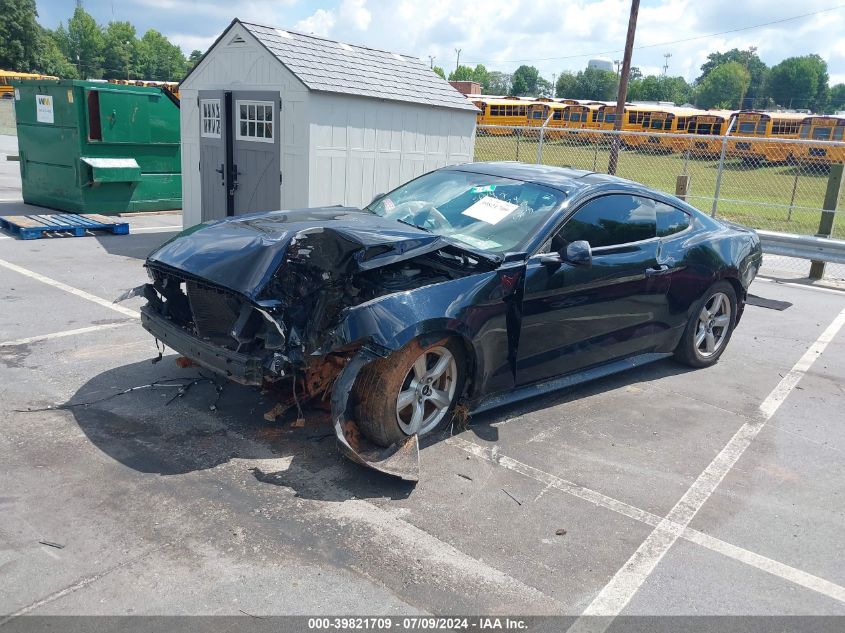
column 565, row 86
column 545, row 88
column 19, row 39
column 50, row 59
column 659, row 88
column 196, row 56
column 159, row 59
column 837, row 98
column 439, row 71
column 481, row 76
column 120, row 51
column 461, row 73
column 635, row 73
column 593, row 83
column 524, row 81
column 758, row 71
column 800, row 82
column 723, row 86
column 498, row 83
column 83, row 43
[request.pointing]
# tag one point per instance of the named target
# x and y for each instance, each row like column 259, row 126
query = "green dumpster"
column 92, row 147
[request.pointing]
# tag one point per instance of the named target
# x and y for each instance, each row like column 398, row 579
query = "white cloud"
column 357, row 13
column 318, row 23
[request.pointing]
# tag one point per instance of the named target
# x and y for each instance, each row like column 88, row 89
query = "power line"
column 688, row 39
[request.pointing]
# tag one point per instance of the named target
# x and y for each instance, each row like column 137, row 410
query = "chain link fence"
column 770, row 184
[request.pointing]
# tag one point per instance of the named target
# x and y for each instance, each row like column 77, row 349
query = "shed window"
column 255, row 121
column 210, row 118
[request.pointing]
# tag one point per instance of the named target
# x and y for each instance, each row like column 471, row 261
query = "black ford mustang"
column 470, row 286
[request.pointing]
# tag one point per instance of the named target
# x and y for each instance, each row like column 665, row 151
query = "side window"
column 670, row 220
column 610, row 221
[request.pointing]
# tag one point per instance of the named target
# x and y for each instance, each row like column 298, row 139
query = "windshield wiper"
column 416, row 226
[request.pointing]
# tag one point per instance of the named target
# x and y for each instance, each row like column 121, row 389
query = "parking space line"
column 763, row 563
column 626, row 582
column 74, row 291
column 792, row 284
column 64, row 333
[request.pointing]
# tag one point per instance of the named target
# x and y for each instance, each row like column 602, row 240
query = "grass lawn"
column 747, row 192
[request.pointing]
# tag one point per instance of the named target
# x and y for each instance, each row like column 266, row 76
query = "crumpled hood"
column 242, row 253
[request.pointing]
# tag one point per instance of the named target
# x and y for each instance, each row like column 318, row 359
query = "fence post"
column 518, row 136
column 540, row 145
column 794, row 192
column 719, row 176
column 831, row 198
column 682, row 187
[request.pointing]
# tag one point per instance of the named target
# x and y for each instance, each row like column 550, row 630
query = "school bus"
column 509, row 111
column 7, row 91
column 821, row 128
column 171, row 86
column 708, row 123
column 666, row 120
column 758, row 125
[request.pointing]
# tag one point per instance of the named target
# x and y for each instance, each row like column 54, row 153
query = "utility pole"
column 458, row 60
column 623, row 86
column 618, row 63
column 751, row 51
column 554, row 85
column 666, row 57
column 431, row 59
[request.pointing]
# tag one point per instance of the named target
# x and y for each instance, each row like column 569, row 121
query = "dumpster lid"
column 113, row 169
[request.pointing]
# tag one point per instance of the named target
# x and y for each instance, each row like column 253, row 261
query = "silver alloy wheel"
column 714, row 320
column 427, row 391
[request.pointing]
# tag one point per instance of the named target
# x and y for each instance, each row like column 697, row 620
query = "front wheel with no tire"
column 413, row 391
column 709, row 328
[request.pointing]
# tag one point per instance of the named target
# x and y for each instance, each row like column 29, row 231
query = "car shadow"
column 134, row 245
column 485, row 425
column 169, row 431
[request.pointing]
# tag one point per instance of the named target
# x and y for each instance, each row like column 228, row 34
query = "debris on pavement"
column 52, row 544
column 518, row 502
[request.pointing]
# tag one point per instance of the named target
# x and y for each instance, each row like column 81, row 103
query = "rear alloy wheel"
column 410, row 392
column 710, row 327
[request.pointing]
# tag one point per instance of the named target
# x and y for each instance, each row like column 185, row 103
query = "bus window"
column 610, row 118
column 821, row 134
column 839, row 133
column 556, row 115
column 746, row 127
column 761, row 127
column 705, row 128
column 805, row 130
column 536, row 114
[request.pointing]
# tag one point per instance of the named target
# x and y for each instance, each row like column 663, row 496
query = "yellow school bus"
column 821, row 128
column 659, row 123
column 757, row 126
column 509, row 111
column 171, row 86
column 708, row 123
column 7, row 91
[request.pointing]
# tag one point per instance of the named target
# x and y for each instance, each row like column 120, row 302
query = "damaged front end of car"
column 282, row 299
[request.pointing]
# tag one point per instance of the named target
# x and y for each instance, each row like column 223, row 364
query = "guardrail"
column 821, row 249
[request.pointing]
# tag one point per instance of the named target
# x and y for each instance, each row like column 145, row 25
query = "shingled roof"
column 330, row 66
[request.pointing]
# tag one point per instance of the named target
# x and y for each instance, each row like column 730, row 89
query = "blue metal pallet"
column 32, row 227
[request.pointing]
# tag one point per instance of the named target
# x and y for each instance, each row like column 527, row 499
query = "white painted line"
column 791, row 284
column 768, row 565
column 154, row 229
column 613, row 598
column 70, row 289
column 63, row 334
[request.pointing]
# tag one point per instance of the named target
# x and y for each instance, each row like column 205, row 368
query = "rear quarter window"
column 670, row 220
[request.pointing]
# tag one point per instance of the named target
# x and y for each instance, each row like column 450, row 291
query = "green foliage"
column 723, row 87
column 83, row 44
column 461, row 73
column 439, row 71
column 837, row 98
column 18, row 35
column 196, row 56
column 481, row 76
column 50, row 59
column 754, row 96
column 120, row 51
column 525, row 81
column 800, row 82
column 498, row 83
column 158, row 59
column 658, row 88
column 592, row 83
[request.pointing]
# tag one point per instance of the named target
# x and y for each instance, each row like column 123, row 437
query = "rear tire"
column 412, row 391
column 709, row 328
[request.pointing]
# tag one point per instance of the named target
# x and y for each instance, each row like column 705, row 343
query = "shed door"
column 256, row 155
column 213, row 172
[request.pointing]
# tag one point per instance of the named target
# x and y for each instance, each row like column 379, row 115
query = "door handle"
column 656, row 270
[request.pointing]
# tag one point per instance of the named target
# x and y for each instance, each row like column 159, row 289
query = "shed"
column 273, row 119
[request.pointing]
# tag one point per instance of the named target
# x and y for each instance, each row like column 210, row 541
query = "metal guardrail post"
column 831, row 199
column 542, row 135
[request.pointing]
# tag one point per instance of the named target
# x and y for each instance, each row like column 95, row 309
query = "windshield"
column 487, row 213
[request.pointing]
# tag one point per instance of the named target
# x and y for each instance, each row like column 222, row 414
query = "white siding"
column 246, row 66
column 360, row 147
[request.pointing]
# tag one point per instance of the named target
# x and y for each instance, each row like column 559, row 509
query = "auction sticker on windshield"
column 490, row 210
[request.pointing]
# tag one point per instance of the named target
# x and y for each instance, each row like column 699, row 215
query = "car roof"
column 565, row 179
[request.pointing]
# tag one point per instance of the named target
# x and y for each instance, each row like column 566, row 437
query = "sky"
column 553, row 35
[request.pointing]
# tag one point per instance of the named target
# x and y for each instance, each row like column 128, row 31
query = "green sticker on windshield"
column 483, row 189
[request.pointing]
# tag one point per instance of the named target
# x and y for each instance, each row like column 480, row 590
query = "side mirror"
column 579, row 253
